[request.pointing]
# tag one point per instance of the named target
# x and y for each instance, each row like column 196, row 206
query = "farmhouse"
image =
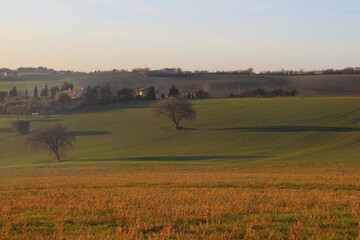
column 170, row 70
column 75, row 93
column 144, row 92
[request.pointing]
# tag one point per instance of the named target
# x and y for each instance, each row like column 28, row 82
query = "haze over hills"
column 218, row 85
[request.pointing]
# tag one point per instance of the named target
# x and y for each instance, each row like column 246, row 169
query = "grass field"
column 226, row 131
column 244, row 169
column 309, row 201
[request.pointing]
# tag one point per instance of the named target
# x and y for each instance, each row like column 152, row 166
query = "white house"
column 170, row 70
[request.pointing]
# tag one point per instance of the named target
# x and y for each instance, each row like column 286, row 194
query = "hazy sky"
column 192, row 34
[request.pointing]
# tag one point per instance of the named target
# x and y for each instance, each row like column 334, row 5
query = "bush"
column 62, row 100
column 21, row 126
column 126, row 94
column 254, row 93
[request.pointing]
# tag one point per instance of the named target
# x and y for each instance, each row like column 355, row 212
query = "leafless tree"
column 55, row 139
column 175, row 109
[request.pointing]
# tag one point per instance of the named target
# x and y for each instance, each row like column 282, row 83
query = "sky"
column 88, row 35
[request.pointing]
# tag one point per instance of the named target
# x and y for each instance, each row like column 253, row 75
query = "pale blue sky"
column 198, row 34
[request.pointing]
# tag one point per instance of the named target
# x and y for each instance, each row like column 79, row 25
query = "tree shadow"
column 115, row 106
column 188, row 129
column 179, row 158
column 5, row 130
column 45, row 120
column 293, row 129
column 89, row 133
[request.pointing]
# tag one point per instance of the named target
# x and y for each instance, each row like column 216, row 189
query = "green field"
column 226, row 131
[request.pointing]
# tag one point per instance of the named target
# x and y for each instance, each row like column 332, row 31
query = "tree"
column 174, row 109
column 201, row 94
column 103, row 94
column 3, row 95
column 89, row 96
column 173, row 91
column 54, row 139
column 143, row 71
column 13, row 92
column 150, row 94
column 54, row 90
column 62, row 99
column 36, row 94
column 67, row 86
column 21, row 126
column 45, row 91
column 126, row 94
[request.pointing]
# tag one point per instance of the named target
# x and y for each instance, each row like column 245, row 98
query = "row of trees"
column 347, row 70
column 43, row 102
column 258, row 92
column 44, row 92
column 55, row 99
column 250, row 71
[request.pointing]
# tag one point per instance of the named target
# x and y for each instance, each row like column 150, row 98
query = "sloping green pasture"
column 226, row 131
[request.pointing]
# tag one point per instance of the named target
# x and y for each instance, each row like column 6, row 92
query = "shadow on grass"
column 293, row 129
column 89, row 133
column 5, row 130
column 112, row 107
column 179, row 159
column 188, row 129
column 45, row 120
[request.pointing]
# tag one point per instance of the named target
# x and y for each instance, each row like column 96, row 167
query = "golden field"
column 298, row 201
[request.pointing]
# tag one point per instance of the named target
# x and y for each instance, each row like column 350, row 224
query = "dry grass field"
column 289, row 201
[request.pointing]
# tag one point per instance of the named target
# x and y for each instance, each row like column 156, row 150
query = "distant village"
column 58, row 99
column 53, row 99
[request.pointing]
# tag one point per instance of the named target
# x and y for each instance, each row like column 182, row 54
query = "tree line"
column 258, row 92
column 50, row 100
column 330, row 71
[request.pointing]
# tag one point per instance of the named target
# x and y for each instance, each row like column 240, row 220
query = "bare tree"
column 55, row 139
column 174, row 109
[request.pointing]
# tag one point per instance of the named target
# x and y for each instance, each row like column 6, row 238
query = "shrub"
column 67, row 86
column 21, row 126
column 62, row 99
column 126, row 94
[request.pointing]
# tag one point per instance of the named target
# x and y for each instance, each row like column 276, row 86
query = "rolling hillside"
column 217, row 85
column 226, row 131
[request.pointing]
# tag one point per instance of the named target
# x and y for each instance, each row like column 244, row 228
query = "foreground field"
column 313, row 201
column 226, row 131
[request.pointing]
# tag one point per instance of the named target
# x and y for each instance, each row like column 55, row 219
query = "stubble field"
column 288, row 201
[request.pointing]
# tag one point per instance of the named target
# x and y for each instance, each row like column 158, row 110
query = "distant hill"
column 216, row 85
